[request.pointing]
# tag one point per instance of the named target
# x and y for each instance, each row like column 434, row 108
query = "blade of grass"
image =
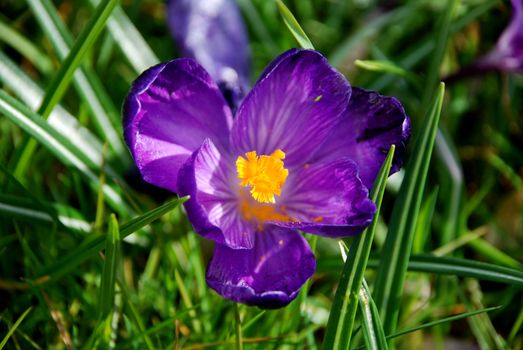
column 61, row 120
column 131, row 42
column 370, row 319
column 398, row 244
column 21, row 208
column 25, row 47
column 238, row 328
column 445, row 149
column 494, row 254
column 294, row 26
column 60, row 146
column 424, row 222
column 94, row 244
column 15, row 326
column 387, row 67
column 444, row 266
column 60, row 82
column 112, row 256
column 343, row 311
column 443, row 321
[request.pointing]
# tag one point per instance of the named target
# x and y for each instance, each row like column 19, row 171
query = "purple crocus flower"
column 213, row 32
column 508, row 53
column 300, row 153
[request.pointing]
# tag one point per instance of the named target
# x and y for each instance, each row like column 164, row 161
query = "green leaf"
column 131, row 42
column 294, row 26
column 444, row 266
column 62, row 121
column 386, row 67
column 93, row 244
column 112, row 257
column 24, row 209
column 443, row 321
column 398, row 244
column 46, row 13
column 26, row 48
column 343, row 311
column 15, row 326
column 370, row 319
column 57, row 144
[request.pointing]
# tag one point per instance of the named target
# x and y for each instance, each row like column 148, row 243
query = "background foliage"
column 73, row 275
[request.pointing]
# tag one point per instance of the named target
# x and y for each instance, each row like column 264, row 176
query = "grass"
column 91, row 257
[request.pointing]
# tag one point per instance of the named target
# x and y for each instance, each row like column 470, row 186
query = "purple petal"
column 293, row 107
column 170, row 109
column 508, row 53
column 269, row 275
column 213, row 209
column 327, row 199
column 213, row 33
column 371, row 124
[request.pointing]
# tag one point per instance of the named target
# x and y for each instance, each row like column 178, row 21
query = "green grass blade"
column 94, row 244
column 423, row 224
column 22, row 209
column 112, row 257
column 444, row 266
column 370, row 319
column 494, row 254
column 341, row 319
column 60, row 82
column 62, row 121
column 294, row 26
column 15, row 326
column 398, row 244
column 26, row 48
column 60, row 146
column 441, row 38
column 238, row 328
column 386, row 67
column 446, row 151
column 443, row 321
column 131, row 42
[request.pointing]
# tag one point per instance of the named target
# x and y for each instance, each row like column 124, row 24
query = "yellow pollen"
column 265, row 175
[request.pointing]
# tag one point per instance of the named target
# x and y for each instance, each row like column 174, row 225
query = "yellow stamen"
column 262, row 213
column 265, row 175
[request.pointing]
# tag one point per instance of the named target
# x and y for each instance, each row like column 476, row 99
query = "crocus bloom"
column 213, row 32
column 300, row 153
column 508, row 53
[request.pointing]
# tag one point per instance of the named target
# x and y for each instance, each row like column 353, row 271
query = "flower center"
column 264, row 175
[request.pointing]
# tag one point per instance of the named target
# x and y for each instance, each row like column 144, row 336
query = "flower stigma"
column 264, row 175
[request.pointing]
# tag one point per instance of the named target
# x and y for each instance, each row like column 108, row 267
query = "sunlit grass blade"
column 370, row 319
column 387, row 67
column 294, row 26
column 343, row 311
column 444, row 266
column 62, row 121
column 112, row 256
column 57, row 144
column 21, row 208
column 60, row 82
column 398, row 244
column 94, row 244
column 15, row 326
column 131, row 42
